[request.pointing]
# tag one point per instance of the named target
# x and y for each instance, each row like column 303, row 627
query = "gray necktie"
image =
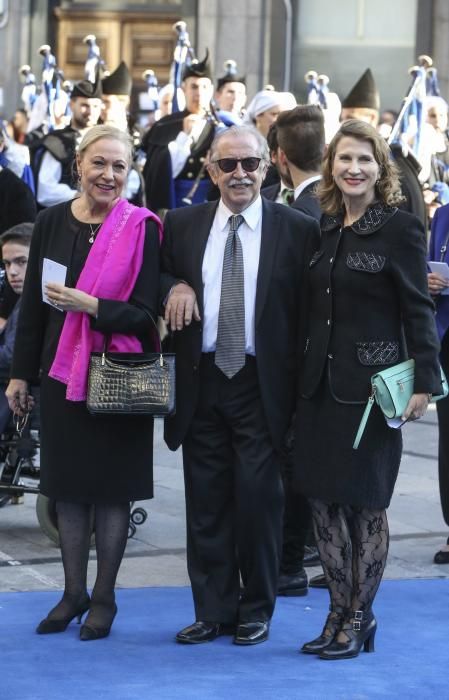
column 230, row 350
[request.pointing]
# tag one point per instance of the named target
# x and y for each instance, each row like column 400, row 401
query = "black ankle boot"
column 52, row 624
column 360, row 629
column 331, row 628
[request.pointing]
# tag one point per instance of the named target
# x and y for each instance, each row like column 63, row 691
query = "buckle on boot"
column 357, row 621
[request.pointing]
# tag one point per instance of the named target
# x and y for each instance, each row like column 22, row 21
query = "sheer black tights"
column 111, row 532
column 353, row 545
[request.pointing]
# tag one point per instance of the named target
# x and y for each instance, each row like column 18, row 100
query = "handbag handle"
column 364, row 421
column 107, row 337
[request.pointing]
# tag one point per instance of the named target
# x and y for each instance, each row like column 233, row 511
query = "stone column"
column 441, row 44
column 14, row 39
column 236, row 30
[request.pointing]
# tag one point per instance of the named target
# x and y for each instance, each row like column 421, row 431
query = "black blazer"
column 271, row 192
column 40, row 325
column 307, row 202
column 369, row 305
column 288, row 241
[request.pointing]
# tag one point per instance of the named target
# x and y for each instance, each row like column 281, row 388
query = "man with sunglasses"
column 233, row 283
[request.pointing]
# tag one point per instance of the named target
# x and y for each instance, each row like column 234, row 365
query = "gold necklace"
column 93, row 233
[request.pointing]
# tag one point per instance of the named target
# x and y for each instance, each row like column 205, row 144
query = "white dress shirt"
column 181, row 147
column 50, row 190
column 250, row 236
column 303, row 185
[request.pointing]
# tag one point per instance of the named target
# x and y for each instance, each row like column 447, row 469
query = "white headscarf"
column 266, row 99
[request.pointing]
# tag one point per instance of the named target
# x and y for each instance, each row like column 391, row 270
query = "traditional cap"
column 231, row 75
column 198, row 69
column 25, row 69
column 119, row 82
column 89, row 39
column 44, row 49
column 266, row 99
column 84, row 88
column 364, row 93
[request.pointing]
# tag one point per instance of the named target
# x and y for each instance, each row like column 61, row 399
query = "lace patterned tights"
column 353, row 546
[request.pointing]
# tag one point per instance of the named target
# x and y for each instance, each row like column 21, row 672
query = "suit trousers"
column 297, row 528
column 234, row 499
column 443, row 434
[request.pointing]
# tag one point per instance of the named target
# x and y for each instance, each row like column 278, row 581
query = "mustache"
column 243, row 181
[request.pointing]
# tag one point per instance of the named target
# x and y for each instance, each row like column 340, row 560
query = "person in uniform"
column 53, row 157
column 177, row 145
column 363, row 102
column 230, row 94
column 117, row 88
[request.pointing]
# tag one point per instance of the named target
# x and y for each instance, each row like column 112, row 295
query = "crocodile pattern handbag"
column 132, row 383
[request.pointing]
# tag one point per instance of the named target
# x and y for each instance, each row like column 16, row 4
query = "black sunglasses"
column 228, row 165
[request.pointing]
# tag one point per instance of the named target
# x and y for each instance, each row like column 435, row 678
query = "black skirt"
column 328, row 468
column 92, row 459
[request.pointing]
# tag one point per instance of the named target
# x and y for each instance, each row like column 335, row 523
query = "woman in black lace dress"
column 369, row 308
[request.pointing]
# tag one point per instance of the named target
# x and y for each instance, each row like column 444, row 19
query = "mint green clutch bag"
column 392, row 389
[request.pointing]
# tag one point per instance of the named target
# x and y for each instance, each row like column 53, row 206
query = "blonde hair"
column 388, row 187
column 104, row 131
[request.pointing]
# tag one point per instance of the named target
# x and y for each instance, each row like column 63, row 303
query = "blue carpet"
column 140, row 661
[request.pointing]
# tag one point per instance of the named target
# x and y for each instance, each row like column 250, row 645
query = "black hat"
column 230, row 75
column 364, row 93
column 119, row 82
column 198, row 69
column 84, row 88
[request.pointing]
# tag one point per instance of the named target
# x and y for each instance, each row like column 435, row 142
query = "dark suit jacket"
column 7, row 341
column 287, row 244
column 308, row 203
column 17, row 202
column 369, row 305
column 438, row 238
column 271, row 192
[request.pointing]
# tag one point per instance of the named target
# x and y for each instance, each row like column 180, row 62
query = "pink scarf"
column 110, row 272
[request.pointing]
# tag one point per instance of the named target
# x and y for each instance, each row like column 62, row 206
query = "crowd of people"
column 284, row 253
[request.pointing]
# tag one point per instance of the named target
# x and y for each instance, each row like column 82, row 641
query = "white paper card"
column 52, row 272
column 441, row 268
column 395, row 422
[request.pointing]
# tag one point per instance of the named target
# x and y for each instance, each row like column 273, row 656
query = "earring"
column 79, row 177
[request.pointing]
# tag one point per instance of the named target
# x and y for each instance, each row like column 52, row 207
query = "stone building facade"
column 273, row 41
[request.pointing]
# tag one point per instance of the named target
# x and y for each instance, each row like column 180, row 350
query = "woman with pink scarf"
column 93, row 272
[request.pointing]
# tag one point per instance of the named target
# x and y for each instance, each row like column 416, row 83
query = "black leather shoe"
column 252, row 633
column 331, row 628
column 201, row 632
column 318, row 581
column 293, row 584
column 311, row 556
column 442, row 556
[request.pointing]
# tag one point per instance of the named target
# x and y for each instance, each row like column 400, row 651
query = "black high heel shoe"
column 331, row 628
column 89, row 632
column 360, row 629
column 51, row 625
